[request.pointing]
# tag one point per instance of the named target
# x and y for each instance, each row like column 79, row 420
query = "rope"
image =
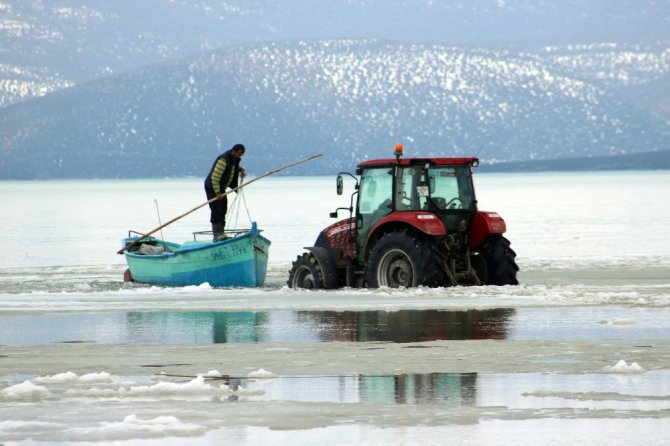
column 233, row 214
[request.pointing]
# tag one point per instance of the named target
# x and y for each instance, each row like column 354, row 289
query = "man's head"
column 237, row 151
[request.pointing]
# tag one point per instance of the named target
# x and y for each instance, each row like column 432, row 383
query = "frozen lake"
column 579, row 350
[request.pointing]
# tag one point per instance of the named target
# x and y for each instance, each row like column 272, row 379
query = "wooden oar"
column 218, row 197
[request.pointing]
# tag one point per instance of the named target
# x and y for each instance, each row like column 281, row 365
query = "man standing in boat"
column 223, row 175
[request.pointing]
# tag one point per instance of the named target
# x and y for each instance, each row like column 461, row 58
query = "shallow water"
column 404, row 326
column 425, row 406
column 539, row 362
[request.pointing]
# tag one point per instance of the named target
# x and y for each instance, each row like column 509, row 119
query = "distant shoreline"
column 659, row 160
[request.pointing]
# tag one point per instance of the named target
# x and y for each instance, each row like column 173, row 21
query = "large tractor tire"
column 305, row 273
column 404, row 259
column 496, row 262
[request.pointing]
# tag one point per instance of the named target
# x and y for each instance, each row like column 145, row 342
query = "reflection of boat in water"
column 240, row 260
column 200, row 327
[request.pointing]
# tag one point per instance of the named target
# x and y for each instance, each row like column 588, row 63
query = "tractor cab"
column 412, row 188
column 439, row 186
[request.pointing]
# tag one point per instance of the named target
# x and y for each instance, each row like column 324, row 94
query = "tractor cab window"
column 451, row 188
column 374, row 202
column 438, row 188
column 375, row 192
column 411, row 190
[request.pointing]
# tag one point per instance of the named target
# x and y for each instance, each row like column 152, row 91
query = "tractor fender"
column 426, row 222
column 484, row 224
column 326, row 259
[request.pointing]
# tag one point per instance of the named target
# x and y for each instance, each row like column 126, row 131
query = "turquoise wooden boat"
column 240, row 260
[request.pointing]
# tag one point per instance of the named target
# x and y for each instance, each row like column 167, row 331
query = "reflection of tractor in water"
column 406, row 326
column 415, row 223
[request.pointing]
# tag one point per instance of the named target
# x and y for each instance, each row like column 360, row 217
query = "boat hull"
column 240, row 261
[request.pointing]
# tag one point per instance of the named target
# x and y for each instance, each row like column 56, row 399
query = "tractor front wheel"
column 305, row 273
column 403, row 259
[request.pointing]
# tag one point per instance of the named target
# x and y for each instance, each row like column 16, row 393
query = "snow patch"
column 133, row 427
column 261, row 373
column 71, row 378
column 196, row 386
column 26, row 391
column 194, row 288
column 623, row 367
column 60, row 378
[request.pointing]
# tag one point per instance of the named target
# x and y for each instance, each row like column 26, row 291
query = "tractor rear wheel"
column 305, row 273
column 496, row 262
column 403, row 259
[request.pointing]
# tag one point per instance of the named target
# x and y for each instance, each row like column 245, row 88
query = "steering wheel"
column 454, row 203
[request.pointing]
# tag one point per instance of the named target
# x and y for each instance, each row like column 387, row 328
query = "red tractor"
column 415, row 223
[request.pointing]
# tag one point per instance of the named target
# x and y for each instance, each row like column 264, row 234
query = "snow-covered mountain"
column 348, row 99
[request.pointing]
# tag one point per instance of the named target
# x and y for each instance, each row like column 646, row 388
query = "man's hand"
column 243, row 172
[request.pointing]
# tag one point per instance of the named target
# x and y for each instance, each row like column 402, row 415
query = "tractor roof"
column 384, row 162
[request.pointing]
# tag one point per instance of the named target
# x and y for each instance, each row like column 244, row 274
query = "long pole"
column 218, row 197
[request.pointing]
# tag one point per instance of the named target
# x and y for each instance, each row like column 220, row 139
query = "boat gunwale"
column 191, row 248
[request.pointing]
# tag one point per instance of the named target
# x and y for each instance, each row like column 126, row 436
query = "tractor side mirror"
column 333, row 214
column 340, row 185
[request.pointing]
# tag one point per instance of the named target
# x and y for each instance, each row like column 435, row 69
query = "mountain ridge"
column 346, row 98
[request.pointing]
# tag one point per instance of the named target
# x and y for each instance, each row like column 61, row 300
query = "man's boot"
column 217, row 231
column 222, row 232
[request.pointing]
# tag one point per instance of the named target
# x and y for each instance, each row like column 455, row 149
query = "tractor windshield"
column 439, row 188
